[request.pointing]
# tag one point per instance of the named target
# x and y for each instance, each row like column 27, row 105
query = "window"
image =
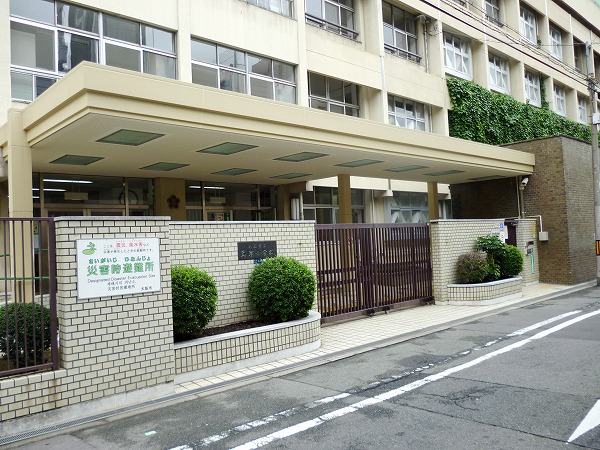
column 532, row 89
column 283, row 7
column 334, row 15
column 399, row 32
column 579, row 52
column 457, row 56
column 498, row 74
column 582, row 114
column 556, row 43
column 235, row 70
column 321, row 205
column 331, row 94
column 492, row 11
column 560, row 102
column 49, row 38
column 407, row 114
column 528, row 25
column 407, row 207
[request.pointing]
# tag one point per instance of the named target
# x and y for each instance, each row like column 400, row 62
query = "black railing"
column 330, row 26
column 28, row 321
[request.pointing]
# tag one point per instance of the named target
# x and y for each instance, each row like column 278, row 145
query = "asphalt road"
column 524, row 379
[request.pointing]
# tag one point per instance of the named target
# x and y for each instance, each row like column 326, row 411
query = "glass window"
column 407, row 113
column 21, row 86
column 492, row 10
column 528, row 25
column 407, row 207
column 579, row 54
column 399, row 32
column 498, row 68
column 123, row 57
column 38, row 10
column 283, row 7
column 31, row 46
column 72, row 16
column 161, row 65
column 158, row 39
column 560, row 102
column 457, row 56
column 556, row 43
column 121, row 29
column 331, row 94
column 582, row 115
column 333, row 15
column 532, row 89
column 261, row 77
column 72, row 49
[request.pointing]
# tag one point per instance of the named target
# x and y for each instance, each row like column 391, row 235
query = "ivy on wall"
column 491, row 118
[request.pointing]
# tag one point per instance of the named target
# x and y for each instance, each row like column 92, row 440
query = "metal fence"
column 28, row 323
column 363, row 268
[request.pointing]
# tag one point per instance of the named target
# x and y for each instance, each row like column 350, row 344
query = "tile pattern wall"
column 484, row 291
column 206, row 352
column 108, row 345
column 212, row 247
column 452, row 238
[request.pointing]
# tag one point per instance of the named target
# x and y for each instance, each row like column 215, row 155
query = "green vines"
column 484, row 116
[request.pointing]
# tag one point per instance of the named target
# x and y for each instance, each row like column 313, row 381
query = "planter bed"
column 213, row 355
column 485, row 293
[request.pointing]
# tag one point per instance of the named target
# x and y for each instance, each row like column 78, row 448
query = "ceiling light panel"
column 129, row 137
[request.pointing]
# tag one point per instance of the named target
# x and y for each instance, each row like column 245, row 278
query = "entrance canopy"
column 100, row 120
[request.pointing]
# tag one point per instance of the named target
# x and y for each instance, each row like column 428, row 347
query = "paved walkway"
column 343, row 339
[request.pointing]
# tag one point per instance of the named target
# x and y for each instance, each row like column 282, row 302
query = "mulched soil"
column 223, row 329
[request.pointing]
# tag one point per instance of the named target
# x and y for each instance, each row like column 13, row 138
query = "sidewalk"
column 344, row 339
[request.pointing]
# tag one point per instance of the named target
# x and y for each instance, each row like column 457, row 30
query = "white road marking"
column 295, row 429
column 535, row 326
column 592, row 420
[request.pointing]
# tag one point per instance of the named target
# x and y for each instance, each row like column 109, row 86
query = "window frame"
column 559, row 97
column 346, row 106
column 396, row 116
column 463, row 50
column 501, row 68
column 395, row 30
column 337, row 28
column 290, row 6
column 555, row 43
column 99, row 38
column 533, row 84
column 582, row 103
column 492, row 11
column 528, row 25
column 246, row 72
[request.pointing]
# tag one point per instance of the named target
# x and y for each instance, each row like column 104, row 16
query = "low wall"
column 213, row 247
column 485, row 293
column 212, row 355
column 452, row 238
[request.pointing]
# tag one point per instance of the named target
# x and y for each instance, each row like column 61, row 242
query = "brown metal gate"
column 363, row 268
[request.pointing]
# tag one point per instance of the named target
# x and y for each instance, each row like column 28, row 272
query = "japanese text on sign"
column 108, row 267
column 257, row 250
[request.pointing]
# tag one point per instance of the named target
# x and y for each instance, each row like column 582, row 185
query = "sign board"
column 257, row 250
column 108, row 267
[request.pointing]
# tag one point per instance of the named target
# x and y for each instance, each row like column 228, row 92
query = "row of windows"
column 50, row 37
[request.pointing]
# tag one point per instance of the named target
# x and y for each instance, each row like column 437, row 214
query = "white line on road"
column 592, row 420
column 535, row 326
column 294, row 429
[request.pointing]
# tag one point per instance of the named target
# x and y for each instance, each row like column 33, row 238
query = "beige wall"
column 165, row 191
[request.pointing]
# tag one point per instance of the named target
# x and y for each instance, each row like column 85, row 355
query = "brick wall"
column 452, row 238
column 560, row 191
column 108, row 345
column 212, row 246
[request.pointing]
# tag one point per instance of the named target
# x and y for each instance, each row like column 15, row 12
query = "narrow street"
column 527, row 378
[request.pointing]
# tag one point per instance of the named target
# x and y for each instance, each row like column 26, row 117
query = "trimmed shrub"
column 27, row 324
column 511, row 261
column 282, row 289
column 472, row 268
column 194, row 299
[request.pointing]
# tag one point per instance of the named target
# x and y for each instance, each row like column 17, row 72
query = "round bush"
column 194, row 299
column 511, row 261
column 27, row 324
column 472, row 268
column 282, row 289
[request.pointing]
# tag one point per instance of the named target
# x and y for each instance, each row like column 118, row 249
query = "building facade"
column 333, row 110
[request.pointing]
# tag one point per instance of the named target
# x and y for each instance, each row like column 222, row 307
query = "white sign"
column 107, row 267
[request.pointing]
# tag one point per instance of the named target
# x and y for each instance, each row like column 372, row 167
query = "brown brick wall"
column 560, row 190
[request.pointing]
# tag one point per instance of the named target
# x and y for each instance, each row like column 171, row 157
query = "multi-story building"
column 334, row 110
